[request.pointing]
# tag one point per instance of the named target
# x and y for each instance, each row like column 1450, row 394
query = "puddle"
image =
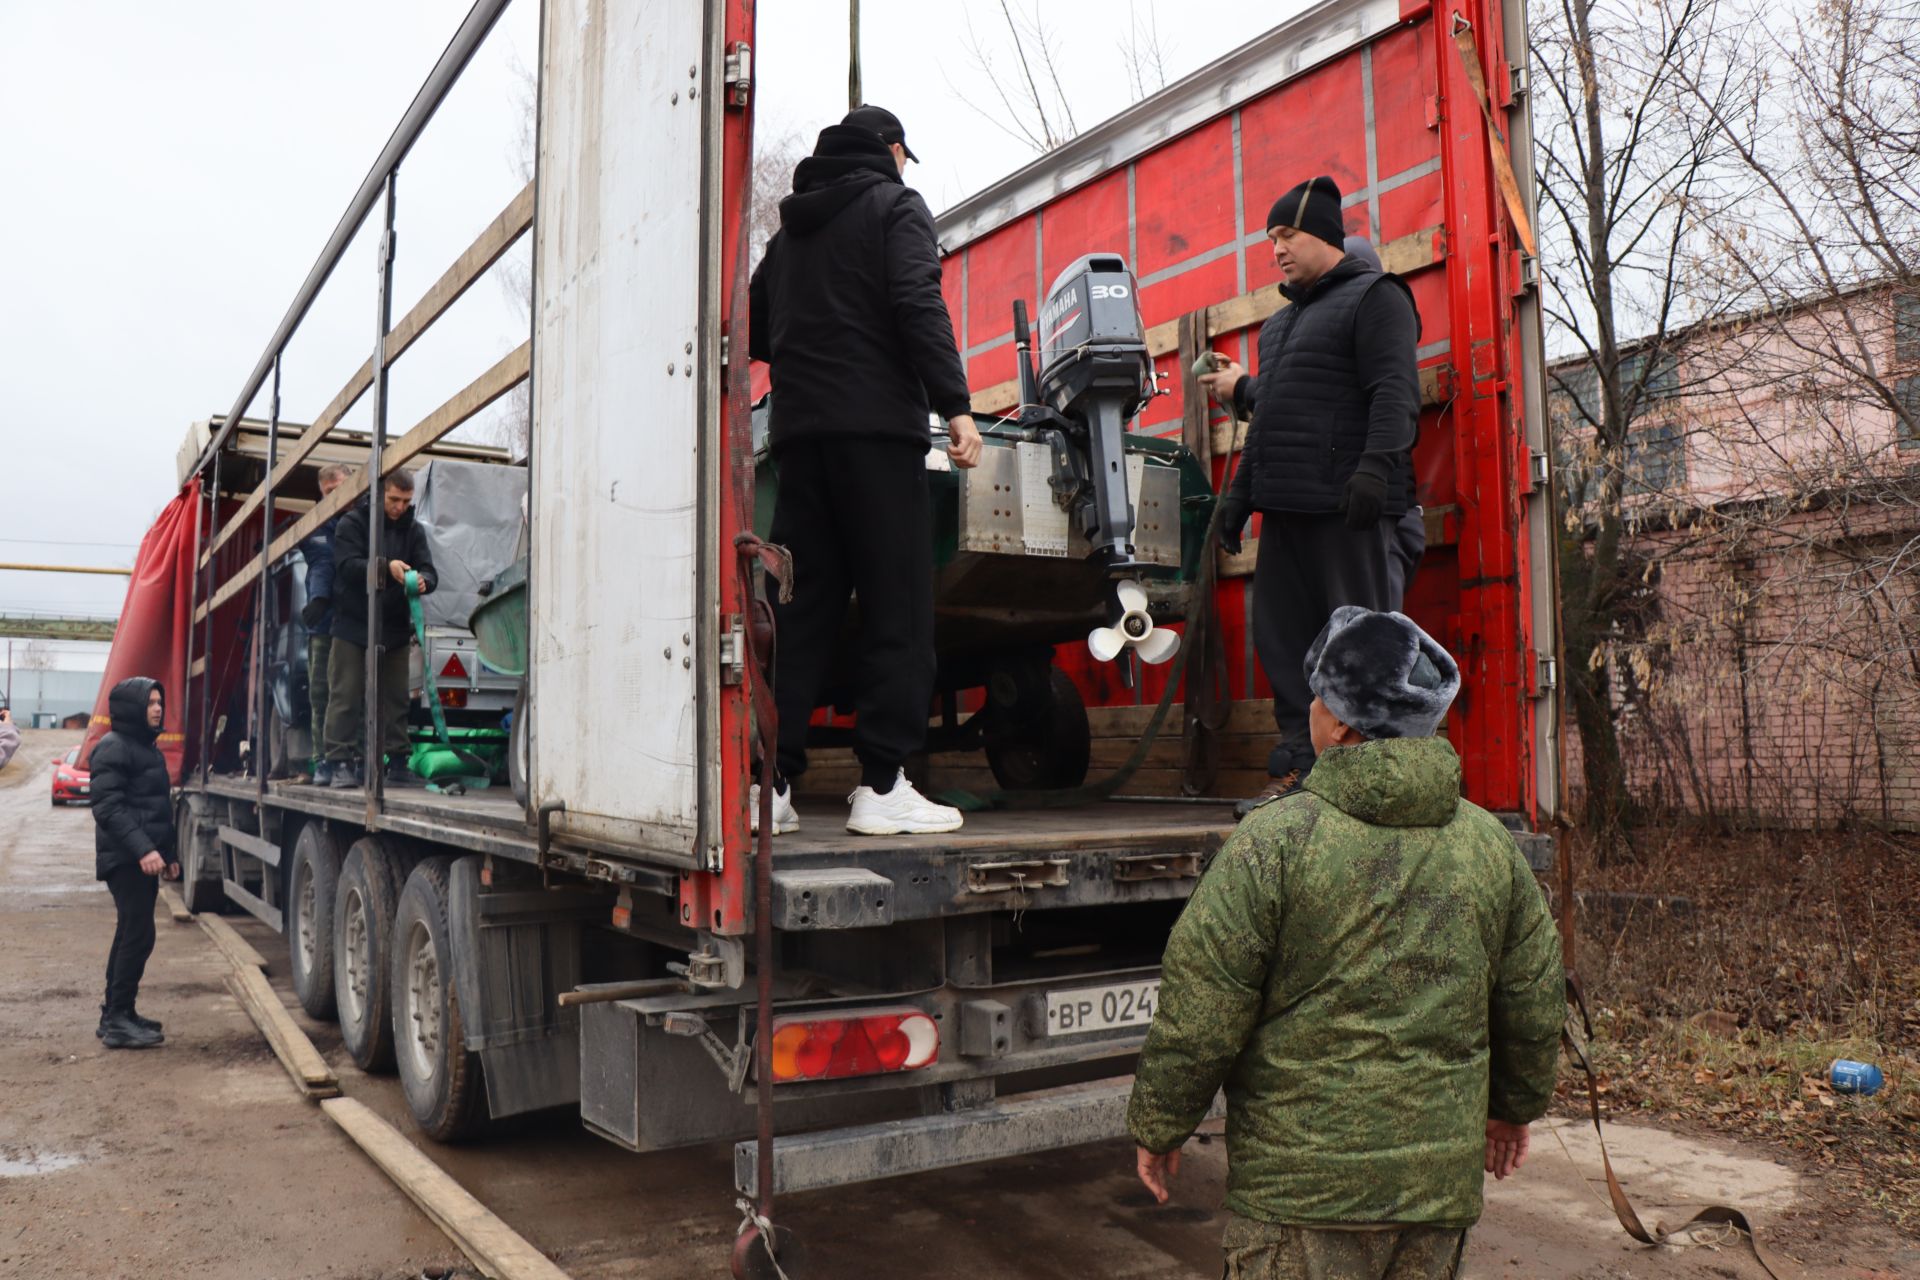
column 26, row 1164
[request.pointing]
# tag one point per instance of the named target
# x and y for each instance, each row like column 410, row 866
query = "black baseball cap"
column 884, row 123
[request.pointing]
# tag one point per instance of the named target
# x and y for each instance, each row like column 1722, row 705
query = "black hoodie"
column 846, row 304
column 132, row 795
column 404, row 539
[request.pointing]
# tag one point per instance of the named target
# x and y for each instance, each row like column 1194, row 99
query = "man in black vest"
column 1335, row 410
column 846, row 308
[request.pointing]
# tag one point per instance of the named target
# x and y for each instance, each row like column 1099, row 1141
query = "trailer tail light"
column 455, row 698
column 454, row 670
column 813, row 1047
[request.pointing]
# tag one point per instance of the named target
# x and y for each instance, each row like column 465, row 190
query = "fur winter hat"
column 1381, row 674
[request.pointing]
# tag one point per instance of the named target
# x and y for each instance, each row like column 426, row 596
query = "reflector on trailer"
column 455, row 698
column 854, row 1043
column 454, row 670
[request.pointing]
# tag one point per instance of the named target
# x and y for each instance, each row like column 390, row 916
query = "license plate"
column 1129, row 1004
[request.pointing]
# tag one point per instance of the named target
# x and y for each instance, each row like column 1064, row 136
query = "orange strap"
column 1622, row 1207
column 1502, row 156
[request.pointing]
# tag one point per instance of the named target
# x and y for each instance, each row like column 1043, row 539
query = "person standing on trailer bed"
column 1335, row 410
column 846, row 309
column 133, row 846
column 317, row 616
column 403, row 546
column 1369, row 970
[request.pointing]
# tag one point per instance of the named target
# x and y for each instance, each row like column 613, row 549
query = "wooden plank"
column 497, row 1249
column 486, row 249
column 1443, row 530
column 175, row 908
column 508, row 373
column 255, row 906
column 234, row 947
column 198, row 669
column 309, row 1071
column 251, row 845
column 1245, row 715
column 1403, row 255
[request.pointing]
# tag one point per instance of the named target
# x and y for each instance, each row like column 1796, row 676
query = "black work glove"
column 1366, row 492
column 313, row 610
column 1235, row 510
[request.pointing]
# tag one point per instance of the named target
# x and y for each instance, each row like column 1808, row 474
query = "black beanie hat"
column 1312, row 207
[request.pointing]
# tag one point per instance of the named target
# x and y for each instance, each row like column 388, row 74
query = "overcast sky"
column 174, row 170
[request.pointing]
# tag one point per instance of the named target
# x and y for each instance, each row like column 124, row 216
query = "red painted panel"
column 1183, row 197
column 1414, row 207
column 999, row 269
column 1309, row 126
column 1402, row 83
column 1090, row 220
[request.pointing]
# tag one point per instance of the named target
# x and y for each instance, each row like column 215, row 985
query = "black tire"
column 312, row 881
column 518, row 745
column 199, row 857
column 440, row 1077
column 364, row 905
column 1049, row 749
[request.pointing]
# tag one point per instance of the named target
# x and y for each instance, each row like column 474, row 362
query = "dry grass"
column 1724, row 1017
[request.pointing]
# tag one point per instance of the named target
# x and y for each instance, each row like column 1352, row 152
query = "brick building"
column 1767, row 668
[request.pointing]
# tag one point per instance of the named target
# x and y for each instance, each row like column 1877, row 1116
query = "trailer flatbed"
column 1099, row 852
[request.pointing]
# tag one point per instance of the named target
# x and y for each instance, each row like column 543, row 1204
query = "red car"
column 71, row 783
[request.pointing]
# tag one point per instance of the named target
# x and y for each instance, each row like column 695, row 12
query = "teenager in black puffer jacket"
column 133, row 846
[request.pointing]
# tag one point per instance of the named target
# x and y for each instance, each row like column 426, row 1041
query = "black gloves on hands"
column 312, row 611
column 1366, row 492
column 1235, row 509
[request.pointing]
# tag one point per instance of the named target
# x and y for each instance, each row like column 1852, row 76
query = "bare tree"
column 1626, row 177
column 775, row 156
column 1017, row 59
column 1144, row 52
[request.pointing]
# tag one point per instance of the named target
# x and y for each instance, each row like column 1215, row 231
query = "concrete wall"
column 38, row 694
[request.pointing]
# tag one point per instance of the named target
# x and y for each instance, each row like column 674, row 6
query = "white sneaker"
column 901, row 811
column 785, row 817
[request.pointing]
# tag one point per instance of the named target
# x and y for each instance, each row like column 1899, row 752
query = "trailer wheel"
column 200, row 882
column 440, row 1077
column 517, row 748
column 1047, row 748
column 312, row 878
column 363, row 914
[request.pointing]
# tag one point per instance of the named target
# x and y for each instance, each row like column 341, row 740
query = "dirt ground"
column 200, row 1159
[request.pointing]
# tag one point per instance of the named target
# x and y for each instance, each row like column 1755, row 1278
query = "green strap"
column 480, row 774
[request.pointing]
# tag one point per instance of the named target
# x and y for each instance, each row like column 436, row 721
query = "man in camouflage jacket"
column 1370, row 972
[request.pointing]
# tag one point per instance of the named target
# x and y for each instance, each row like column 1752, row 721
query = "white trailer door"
column 622, row 404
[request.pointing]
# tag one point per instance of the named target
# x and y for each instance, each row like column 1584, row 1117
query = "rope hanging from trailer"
column 777, row 563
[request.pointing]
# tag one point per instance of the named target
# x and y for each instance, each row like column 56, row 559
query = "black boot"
column 119, row 1031
column 100, row 1031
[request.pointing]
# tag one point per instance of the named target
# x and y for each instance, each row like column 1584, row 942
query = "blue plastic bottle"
column 1855, row 1077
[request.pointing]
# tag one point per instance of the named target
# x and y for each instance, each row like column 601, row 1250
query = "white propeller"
column 1134, row 630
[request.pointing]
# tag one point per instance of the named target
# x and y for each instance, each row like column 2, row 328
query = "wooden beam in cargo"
column 486, row 250
column 477, row 395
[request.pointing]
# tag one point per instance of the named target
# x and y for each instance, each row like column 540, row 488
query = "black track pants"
column 857, row 515
column 1307, row 567
column 134, row 892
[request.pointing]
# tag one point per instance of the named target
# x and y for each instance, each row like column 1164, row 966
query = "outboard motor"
column 1094, row 377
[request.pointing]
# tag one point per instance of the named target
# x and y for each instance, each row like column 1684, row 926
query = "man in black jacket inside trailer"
column 403, row 547
column 133, row 846
column 846, row 308
column 1335, row 411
